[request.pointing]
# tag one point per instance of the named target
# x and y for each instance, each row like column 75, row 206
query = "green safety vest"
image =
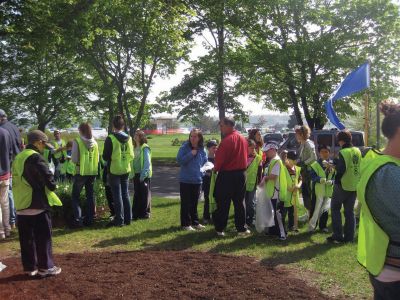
column 60, row 154
column 371, row 154
column 142, row 160
column 211, row 197
column 121, row 157
column 322, row 190
column 351, row 177
column 22, row 190
column 372, row 240
column 270, row 184
column 251, row 173
column 88, row 159
column 46, row 155
column 292, row 198
column 70, row 167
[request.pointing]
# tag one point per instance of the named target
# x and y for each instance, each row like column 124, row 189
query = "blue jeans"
column 13, row 213
column 78, row 183
column 120, row 193
column 347, row 199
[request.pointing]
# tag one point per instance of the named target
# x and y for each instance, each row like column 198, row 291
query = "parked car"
column 323, row 137
column 273, row 137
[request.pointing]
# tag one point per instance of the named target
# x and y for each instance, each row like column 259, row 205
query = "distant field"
column 161, row 146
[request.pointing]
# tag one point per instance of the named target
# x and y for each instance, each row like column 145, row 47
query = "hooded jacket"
column 75, row 155
column 122, row 137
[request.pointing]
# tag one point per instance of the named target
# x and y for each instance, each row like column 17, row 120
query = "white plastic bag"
column 2, row 266
column 264, row 211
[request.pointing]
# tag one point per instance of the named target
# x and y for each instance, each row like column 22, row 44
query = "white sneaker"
column 326, row 230
column 188, row 228
column 31, row 273
column 50, row 272
column 199, row 227
column 311, row 229
column 220, row 233
column 2, row 236
column 244, row 233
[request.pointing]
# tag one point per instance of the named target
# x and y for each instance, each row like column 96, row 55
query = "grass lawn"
column 162, row 149
column 330, row 267
column 161, row 146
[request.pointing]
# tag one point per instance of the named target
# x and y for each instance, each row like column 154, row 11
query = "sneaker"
column 2, row 236
column 31, row 273
column 311, row 229
column 49, row 272
column 331, row 239
column 12, row 226
column 220, row 233
column 188, row 228
column 199, row 227
column 244, row 233
column 282, row 238
column 326, row 230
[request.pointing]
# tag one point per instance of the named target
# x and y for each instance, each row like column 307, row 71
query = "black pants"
column 141, row 206
column 206, row 190
column 279, row 212
column 35, row 240
column 306, row 189
column 230, row 185
column 385, row 290
column 289, row 211
column 190, row 194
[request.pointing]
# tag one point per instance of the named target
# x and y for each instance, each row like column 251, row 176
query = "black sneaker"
column 333, row 240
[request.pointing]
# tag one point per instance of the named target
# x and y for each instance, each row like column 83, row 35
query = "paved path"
column 165, row 181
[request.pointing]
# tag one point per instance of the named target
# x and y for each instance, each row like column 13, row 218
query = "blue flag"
column 356, row 81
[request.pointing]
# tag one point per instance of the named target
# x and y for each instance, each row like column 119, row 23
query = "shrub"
column 177, row 142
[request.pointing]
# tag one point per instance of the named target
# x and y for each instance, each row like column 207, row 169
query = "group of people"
column 34, row 183
column 241, row 166
column 230, row 171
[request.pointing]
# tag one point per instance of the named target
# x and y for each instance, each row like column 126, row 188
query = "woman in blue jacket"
column 191, row 157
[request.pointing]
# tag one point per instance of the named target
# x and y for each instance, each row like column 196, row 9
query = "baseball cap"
column 37, row 135
column 268, row 146
column 211, row 143
column 2, row 113
column 292, row 155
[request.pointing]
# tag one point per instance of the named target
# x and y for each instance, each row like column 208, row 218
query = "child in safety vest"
column 294, row 187
column 322, row 181
column 276, row 188
column 253, row 161
column 68, row 166
column 211, row 149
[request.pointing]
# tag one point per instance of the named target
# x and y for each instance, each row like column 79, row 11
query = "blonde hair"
column 304, row 131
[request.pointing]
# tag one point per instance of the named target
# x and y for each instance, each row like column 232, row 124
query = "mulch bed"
column 155, row 275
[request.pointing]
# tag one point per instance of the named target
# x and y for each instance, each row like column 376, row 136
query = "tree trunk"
column 110, row 115
column 119, row 101
column 221, row 63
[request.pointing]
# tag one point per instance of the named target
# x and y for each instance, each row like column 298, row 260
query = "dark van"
column 273, row 137
column 323, row 137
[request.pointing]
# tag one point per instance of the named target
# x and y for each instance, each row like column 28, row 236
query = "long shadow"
column 165, row 203
column 309, row 252
column 17, row 278
column 143, row 236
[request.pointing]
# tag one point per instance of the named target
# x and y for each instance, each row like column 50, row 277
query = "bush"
column 177, row 142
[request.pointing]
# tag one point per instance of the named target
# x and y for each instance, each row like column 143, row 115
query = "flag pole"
column 366, row 118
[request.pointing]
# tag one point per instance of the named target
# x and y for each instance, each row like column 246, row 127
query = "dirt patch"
column 155, row 275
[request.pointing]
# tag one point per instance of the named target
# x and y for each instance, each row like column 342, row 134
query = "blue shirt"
column 190, row 164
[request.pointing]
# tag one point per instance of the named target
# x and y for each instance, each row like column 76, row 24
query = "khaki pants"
column 5, row 227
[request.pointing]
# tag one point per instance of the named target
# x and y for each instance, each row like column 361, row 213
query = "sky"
column 161, row 85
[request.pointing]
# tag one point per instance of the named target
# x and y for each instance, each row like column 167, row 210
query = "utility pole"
column 378, row 126
column 366, row 118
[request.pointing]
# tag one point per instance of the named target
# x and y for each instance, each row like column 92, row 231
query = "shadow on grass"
column 142, row 236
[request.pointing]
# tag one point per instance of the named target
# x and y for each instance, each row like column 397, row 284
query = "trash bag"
column 2, row 266
column 264, row 211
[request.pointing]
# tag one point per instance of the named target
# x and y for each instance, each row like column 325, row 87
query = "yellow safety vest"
column 121, row 157
column 350, row 178
column 22, row 190
column 88, row 159
column 270, row 184
column 372, row 240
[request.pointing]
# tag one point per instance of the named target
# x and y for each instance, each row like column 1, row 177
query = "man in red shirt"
column 230, row 163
